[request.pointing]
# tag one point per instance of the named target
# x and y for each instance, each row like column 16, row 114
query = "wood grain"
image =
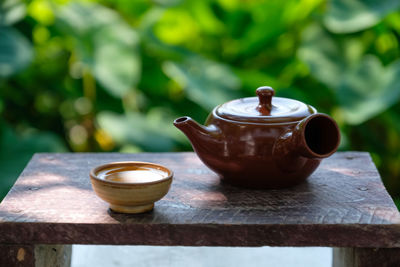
column 35, row 255
column 53, row 255
column 17, row 255
column 343, row 204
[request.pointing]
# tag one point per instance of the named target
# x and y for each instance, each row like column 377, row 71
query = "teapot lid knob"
column 265, row 94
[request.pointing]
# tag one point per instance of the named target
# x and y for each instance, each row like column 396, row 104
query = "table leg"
column 366, row 257
column 35, row 255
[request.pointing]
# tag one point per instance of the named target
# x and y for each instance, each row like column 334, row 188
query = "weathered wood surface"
column 52, row 255
column 366, row 257
column 35, row 255
column 343, row 204
column 17, row 255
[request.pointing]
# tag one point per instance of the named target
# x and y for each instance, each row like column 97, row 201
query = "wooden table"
column 343, row 204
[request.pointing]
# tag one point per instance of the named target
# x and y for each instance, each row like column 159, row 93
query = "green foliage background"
column 111, row 75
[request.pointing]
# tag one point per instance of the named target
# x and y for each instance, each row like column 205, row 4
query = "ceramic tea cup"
column 131, row 186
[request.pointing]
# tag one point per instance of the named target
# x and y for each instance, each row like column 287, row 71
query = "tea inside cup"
column 132, row 174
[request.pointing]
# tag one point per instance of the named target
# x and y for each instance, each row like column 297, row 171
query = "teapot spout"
column 201, row 137
column 315, row 137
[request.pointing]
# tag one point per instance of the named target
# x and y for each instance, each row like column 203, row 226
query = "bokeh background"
column 111, row 75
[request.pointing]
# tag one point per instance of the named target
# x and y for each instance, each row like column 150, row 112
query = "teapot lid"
column 265, row 109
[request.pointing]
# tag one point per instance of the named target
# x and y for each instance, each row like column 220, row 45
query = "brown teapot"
column 269, row 142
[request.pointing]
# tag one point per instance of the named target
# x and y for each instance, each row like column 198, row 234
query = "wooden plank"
column 35, row 255
column 17, row 255
column 366, row 257
column 344, row 203
column 53, row 255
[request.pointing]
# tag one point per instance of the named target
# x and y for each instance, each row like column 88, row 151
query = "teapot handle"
column 265, row 94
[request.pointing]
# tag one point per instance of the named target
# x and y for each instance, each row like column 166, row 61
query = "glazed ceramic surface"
column 131, row 187
column 264, row 142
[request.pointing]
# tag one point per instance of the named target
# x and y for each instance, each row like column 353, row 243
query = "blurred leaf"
column 298, row 10
column 152, row 43
column 270, row 20
column 132, row 9
column 369, row 89
column 322, row 55
column 206, row 18
column 252, row 79
column 105, row 43
column 264, row 27
column 167, row 3
column 83, row 18
column 364, row 87
column 346, row 16
column 206, row 82
column 11, row 11
column 41, row 11
column 175, row 26
column 15, row 51
column 16, row 151
column 152, row 132
column 328, row 57
column 116, row 60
